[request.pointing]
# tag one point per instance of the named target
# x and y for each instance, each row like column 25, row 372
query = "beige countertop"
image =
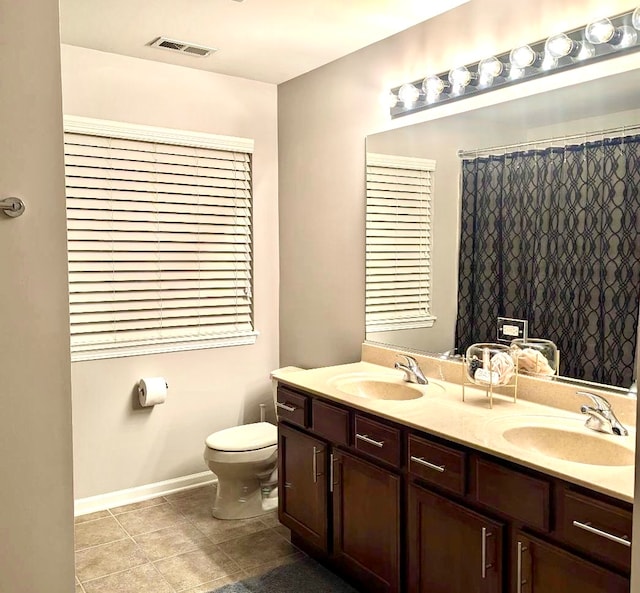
column 440, row 411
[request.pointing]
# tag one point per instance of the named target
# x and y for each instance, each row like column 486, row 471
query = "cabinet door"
column 450, row 548
column 542, row 567
column 302, row 485
column 366, row 523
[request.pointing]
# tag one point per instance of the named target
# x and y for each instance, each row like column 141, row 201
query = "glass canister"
column 536, row 357
column 490, row 364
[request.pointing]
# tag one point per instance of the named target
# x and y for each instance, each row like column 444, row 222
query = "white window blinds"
column 398, row 242
column 159, row 239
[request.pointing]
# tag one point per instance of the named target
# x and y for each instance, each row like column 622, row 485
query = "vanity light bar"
column 599, row 40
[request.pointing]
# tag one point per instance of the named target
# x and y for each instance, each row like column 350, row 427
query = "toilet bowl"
column 244, row 458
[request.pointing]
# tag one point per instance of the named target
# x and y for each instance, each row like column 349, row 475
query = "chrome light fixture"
column 600, row 39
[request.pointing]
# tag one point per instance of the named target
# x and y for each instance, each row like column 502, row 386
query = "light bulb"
column 460, row 77
column 433, row 85
column 392, row 99
column 562, row 45
column 523, row 57
column 635, row 19
column 490, row 67
column 600, row 31
column 408, row 94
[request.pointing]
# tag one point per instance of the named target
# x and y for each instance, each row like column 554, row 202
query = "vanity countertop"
column 441, row 412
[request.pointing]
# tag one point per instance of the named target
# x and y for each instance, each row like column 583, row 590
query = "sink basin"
column 570, row 446
column 372, row 389
column 385, row 387
column 566, row 439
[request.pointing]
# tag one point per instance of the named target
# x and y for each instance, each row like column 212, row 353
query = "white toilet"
column 244, row 458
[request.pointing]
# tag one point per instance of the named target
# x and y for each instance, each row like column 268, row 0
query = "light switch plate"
column 512, row 329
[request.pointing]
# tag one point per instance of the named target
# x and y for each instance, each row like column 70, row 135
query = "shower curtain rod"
column 493, row 149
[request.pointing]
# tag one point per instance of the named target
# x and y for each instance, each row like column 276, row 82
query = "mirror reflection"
column 549, row 228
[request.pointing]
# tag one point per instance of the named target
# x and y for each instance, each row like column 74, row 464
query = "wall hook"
column 12, row 207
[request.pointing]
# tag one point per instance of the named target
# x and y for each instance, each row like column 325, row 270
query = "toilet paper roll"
column 152, row 391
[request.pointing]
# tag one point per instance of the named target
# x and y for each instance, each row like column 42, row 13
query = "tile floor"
column 172, row 544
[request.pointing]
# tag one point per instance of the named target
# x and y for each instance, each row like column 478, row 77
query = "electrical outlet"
column 512, row 329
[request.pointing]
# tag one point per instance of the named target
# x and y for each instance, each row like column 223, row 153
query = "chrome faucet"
column 601, row 416
column 412, row 371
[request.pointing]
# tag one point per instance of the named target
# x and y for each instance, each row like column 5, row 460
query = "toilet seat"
column 247, row 437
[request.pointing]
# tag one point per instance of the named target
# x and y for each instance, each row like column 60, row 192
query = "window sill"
column 98, row 352
column 401, row 324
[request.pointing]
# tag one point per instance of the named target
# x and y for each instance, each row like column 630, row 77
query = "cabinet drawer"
column 596, row 527
column 513, row 493
column 292, row 407
column 378, row 440
column 330, row 422
column 437, row 464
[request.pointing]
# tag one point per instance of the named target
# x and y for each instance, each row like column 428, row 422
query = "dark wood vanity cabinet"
column 302, row 485
column 334, row 495
column 450, row 548
column 396, row 510
column 541, row 566
column 366, row 523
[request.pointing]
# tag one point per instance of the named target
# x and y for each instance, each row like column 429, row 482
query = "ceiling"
column 266, row 40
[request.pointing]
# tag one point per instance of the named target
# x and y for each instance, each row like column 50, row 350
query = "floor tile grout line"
column 110, row 574
column 113, row 541
column 224, row 541
column 163, row 577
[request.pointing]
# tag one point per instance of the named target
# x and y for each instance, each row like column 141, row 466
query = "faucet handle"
column 601, row 404
column 412, row 363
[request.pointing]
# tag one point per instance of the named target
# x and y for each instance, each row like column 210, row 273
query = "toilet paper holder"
column 152, row 391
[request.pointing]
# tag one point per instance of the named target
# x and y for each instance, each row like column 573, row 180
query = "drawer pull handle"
column 286, row 407
column 519, row 580
column 366, row 439
column 422, row 461
column 314, row 464
column 624, row 540
column 331, row 471
column 485, row 535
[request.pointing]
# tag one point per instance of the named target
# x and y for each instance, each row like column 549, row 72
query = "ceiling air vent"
column 182, row 47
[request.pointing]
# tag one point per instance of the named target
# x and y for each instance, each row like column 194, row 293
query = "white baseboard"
column 101, row 502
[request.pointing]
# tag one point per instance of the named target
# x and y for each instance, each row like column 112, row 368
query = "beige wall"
column 324, row 117
column 36, row 510
column 116, row 444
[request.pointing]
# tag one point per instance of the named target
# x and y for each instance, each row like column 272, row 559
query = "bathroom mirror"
column 584, row 109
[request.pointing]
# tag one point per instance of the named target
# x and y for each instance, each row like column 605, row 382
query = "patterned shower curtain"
column 553, row 236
